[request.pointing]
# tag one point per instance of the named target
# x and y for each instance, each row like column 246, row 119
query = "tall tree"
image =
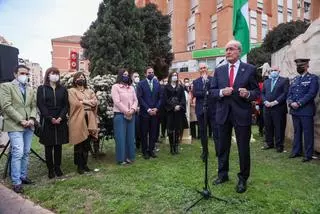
column 157, row 40
column 115, row 38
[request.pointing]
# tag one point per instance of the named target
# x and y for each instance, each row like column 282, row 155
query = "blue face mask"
column 150, row 76
column 274, row 74
column 125, row 79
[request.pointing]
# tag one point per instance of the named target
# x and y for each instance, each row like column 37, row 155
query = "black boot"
column 58, row 171
column 49, row 161
column 170, row 135
column 51, row 173
column 95, row 149
column 176, row 143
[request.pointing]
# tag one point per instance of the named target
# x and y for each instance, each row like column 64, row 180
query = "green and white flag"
column 241, row 30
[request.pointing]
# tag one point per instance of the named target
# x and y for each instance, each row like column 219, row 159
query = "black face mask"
column 300, row 69
column 80, row 82
column 125, row 79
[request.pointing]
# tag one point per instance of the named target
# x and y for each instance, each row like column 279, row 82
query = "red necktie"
column 231, row 76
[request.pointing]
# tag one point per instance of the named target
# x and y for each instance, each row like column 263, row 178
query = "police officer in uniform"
column 302, row 93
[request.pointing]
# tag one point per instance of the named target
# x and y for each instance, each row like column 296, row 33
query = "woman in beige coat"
column 83, row 125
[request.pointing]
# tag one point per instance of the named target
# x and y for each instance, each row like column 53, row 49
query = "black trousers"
column 193, row 129
column 243, row 134
column 81, row 152
column 214, row 131
column 53, row 156
column 275, row 125
column 149, row 128
column 260, row 120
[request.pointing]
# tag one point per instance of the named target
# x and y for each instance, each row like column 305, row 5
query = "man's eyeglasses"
column 202, row 68
column 231, row 49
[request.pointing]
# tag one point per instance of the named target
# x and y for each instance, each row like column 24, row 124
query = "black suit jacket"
column 279, row 93
column 199, row 93
column 239, row 106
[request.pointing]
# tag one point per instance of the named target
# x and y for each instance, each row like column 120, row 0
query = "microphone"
column 220, row 62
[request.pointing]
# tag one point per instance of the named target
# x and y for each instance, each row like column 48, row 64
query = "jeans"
column 20, row 149
column 124, row 133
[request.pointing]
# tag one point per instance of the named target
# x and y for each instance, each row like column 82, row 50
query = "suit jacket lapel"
column 18, row 92
column 225, row 76
column 239, row 73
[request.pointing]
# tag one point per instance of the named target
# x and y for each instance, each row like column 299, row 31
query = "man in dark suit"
column 200, row 86
column 274, row 95
column 302, row 92
column 148, row 92
column 235, row 86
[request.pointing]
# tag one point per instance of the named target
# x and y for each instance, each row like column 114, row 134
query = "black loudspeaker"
column 8, row 62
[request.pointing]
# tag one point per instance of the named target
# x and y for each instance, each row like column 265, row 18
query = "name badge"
column 305, row 83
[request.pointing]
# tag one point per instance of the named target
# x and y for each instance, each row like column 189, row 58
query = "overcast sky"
column 31, row 24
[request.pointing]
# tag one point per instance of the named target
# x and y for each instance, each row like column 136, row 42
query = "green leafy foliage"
column 283, row 34
column 157, row 40
column 124, row 36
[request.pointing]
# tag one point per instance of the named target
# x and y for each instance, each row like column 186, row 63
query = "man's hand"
column 294, row 105
column 177, row 108
column 267, row 104
column 227, row 91
column 24, row 123
column 243, row 92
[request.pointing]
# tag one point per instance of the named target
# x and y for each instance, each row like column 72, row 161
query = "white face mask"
column 54, row 78
column 136, row 79
column 174, row 78
column 22, row 79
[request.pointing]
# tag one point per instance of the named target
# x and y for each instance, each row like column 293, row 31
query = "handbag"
column 39, row 127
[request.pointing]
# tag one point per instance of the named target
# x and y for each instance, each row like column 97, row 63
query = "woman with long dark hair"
column 52, row 101
column 175, row 104
column 83, row 120
column 124, row 107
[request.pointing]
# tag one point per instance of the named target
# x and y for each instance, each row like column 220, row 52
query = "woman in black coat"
column 175, row 105
column 52, row 101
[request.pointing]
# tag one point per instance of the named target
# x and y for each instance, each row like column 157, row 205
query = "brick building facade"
column 201, row 28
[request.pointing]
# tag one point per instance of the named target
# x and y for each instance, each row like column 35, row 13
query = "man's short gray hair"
column 235, row 42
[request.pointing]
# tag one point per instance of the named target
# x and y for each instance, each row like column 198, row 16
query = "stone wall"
column 306, row 45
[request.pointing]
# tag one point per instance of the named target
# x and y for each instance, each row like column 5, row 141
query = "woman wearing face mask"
column 52, row 101
column 83, row 125
column 175, row 104
column 124, row 107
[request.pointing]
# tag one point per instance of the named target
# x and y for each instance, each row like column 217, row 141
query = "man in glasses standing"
column 235, row 86
column 18, row 104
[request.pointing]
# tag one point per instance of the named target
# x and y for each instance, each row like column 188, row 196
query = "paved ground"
column 13, row 203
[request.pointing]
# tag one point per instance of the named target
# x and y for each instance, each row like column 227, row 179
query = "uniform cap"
column 301, row 61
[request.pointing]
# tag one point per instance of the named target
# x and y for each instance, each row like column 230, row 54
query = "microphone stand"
column 205, row 193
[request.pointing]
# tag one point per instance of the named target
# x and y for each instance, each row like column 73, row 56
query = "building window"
column 280, row 14
column 253, row 24
column 219, row 4
column 191, row 34
column 289, row 15
column 194, row 4
column 289, row 4
column 214, row 32
column 260, row 4
column 306, row 10
column 264, row 23
column 170, row 6
column 191, row 47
